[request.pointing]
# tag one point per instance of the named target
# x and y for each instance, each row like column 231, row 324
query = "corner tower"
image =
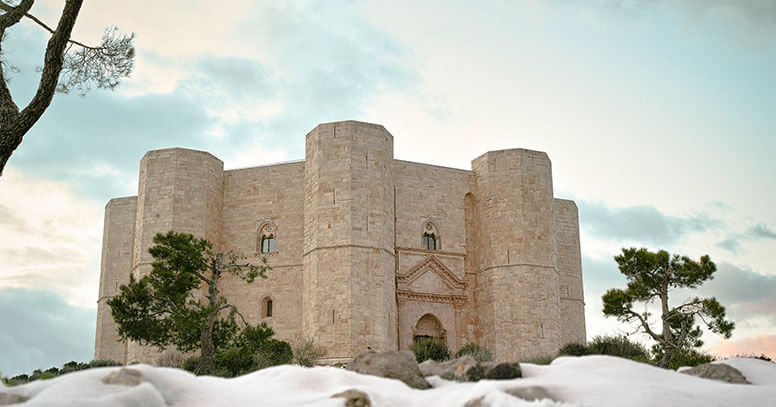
column 179, row 190
column 349, row 289
column 517, row 283
column 117, row 240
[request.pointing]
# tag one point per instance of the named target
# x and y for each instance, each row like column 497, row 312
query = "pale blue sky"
column 659, row 118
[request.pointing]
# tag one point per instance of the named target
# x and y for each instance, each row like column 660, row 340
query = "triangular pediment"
column 428, row 267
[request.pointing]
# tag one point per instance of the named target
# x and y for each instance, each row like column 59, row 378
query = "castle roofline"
column 190, row 150
column 351, row 122
column 118, row 200
column 433, row 165
column 288, row 162
column 507, row 150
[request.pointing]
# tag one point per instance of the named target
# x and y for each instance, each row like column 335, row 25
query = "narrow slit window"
column 266, row 307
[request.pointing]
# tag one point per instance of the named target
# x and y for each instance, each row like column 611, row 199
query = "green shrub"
column 540, row 359
column 102, row 363
column 430, row 348
column 685, row 357
column 253, row 349
column 232, row 362
column 20, row 379
column 273, row 353
column 478, row 352
column 574, row 349
column 306, row 352
column 191, row 364
column 618, row 346
column 71, row 364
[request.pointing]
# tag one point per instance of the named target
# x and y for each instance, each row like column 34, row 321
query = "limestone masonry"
column 366, row 251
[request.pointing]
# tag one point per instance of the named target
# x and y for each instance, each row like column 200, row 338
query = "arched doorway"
column 428, row 326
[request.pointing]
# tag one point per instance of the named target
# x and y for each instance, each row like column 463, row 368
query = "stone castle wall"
column 568, row 262
column 117, row 241
column 253, row 198
column 349, row 270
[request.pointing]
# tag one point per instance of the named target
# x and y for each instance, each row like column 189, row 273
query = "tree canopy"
column 67, row 65
column 651, row 277
column 167, row 306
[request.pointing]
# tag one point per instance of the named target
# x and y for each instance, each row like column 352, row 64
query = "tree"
column 67, row 65
column 167, row 307
column 651, row 277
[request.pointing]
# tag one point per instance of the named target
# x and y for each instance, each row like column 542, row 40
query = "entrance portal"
column 428, row 326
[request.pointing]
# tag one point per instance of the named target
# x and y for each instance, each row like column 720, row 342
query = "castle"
column 366, row 251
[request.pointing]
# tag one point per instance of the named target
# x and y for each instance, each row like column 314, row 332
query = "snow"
column 573, row 381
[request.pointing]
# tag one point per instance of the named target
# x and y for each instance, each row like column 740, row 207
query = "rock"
column 354, row 398
column 527, row 393
column 393, row 365
column 501, row 370
column 10, row 398
column 530, row 393
column 717, row 371
column 124, row 377
column 475, row 402
column 463, row 369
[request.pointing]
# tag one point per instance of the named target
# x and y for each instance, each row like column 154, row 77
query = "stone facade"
column 351, row 269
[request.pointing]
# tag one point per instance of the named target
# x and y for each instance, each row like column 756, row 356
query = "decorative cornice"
column 436, row 266
column 542, row 266
column 428, row 297
column 434, row 252
column 355, row 246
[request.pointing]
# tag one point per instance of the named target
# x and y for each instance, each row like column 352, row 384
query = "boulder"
column 393, row 365
column 463, row 369
column 10, row 398
column 124, row 377
column 501, row 370
column 530, row 393
column 717, row 371
column 354, row 398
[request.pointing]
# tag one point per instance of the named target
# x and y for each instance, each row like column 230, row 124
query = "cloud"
column 49, row 238
column 304, row 64
column 641, row 224
column 753, row 233
column 41, row 330
column 747, row 294
column 761, row 232
column 750, row 11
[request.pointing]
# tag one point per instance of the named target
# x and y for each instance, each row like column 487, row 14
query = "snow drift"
column 569, row 381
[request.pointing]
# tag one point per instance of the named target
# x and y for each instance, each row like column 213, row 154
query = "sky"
column 659, row 118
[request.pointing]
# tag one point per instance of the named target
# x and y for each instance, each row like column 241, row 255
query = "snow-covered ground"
column 582, row 381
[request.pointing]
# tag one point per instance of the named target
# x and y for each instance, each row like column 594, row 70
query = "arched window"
column 267, row 244
column 430, row 237
column 266, row 307
column 266, row 241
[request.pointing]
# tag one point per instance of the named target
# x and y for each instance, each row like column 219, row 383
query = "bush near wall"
column 609, row 345
column 478, row 352
column 430, row 348
column 52, row 372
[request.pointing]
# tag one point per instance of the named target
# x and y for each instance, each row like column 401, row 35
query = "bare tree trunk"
column 14, row 124
column 207, row 351
column 668, row 340
column 207, row 348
